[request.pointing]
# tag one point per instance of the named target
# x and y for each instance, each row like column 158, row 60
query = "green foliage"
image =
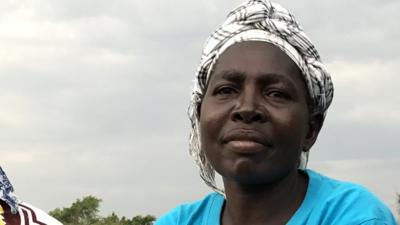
column 81, row 212
column 398, row 203
column 115, row 220
column 85, row 212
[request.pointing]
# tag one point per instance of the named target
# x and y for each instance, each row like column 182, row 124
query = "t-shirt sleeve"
column 195, row 213
column 388, row 221
column 165, row 220
column 170, row 218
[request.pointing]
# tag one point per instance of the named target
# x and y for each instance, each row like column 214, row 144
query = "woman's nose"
column 248, row 109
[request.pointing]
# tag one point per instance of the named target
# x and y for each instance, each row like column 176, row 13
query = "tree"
column 398, row 203
column 85, row 212
column 113, row 219
column 142, row 220
column 80, row 212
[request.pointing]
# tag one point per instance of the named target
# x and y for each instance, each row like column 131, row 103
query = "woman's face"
column 254, row 119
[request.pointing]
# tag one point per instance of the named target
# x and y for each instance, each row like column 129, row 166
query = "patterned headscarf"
column 258, row 20
column 6, row 192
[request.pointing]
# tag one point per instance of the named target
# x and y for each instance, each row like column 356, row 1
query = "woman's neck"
column 273, row 203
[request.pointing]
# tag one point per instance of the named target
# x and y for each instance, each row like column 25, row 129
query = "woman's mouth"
column 245, row 146
column 246, row 141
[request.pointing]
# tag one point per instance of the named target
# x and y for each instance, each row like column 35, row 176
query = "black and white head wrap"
column 258, row 20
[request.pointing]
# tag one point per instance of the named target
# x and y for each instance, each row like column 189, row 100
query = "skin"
column 254, row 123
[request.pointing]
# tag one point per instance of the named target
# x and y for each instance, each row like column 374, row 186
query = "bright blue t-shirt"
column 327, row 201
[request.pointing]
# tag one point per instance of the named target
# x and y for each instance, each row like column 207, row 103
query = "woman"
column 259, row 102
column 15, row 212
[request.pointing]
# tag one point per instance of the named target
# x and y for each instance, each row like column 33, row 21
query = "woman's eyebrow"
column 264, row 78
column 274, row 78
column 232, row 75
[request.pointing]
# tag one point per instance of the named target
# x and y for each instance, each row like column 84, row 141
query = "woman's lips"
column 245, row 146
column 246, row 141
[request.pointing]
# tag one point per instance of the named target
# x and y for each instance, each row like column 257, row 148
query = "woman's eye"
column 278, row 94
column 225, row 91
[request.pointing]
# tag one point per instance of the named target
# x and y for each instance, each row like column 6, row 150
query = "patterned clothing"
column 26, row 215
column 6, row 192
column 15, row 212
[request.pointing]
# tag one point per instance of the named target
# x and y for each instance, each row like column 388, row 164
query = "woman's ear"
column 314, row 126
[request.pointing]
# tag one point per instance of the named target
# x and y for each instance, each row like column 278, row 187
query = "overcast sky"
column 93, row 97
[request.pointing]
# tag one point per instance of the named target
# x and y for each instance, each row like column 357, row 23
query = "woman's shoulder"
column 331, row 189
column 334, row 199
column 194, row 212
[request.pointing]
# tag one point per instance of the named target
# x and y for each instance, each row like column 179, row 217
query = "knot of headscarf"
column 259, row 20
column 6, row 192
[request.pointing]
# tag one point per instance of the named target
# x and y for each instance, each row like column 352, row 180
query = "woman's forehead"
column 254, row 57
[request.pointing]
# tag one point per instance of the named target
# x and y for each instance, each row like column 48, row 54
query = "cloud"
column 366, row 92
column 350, row 30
